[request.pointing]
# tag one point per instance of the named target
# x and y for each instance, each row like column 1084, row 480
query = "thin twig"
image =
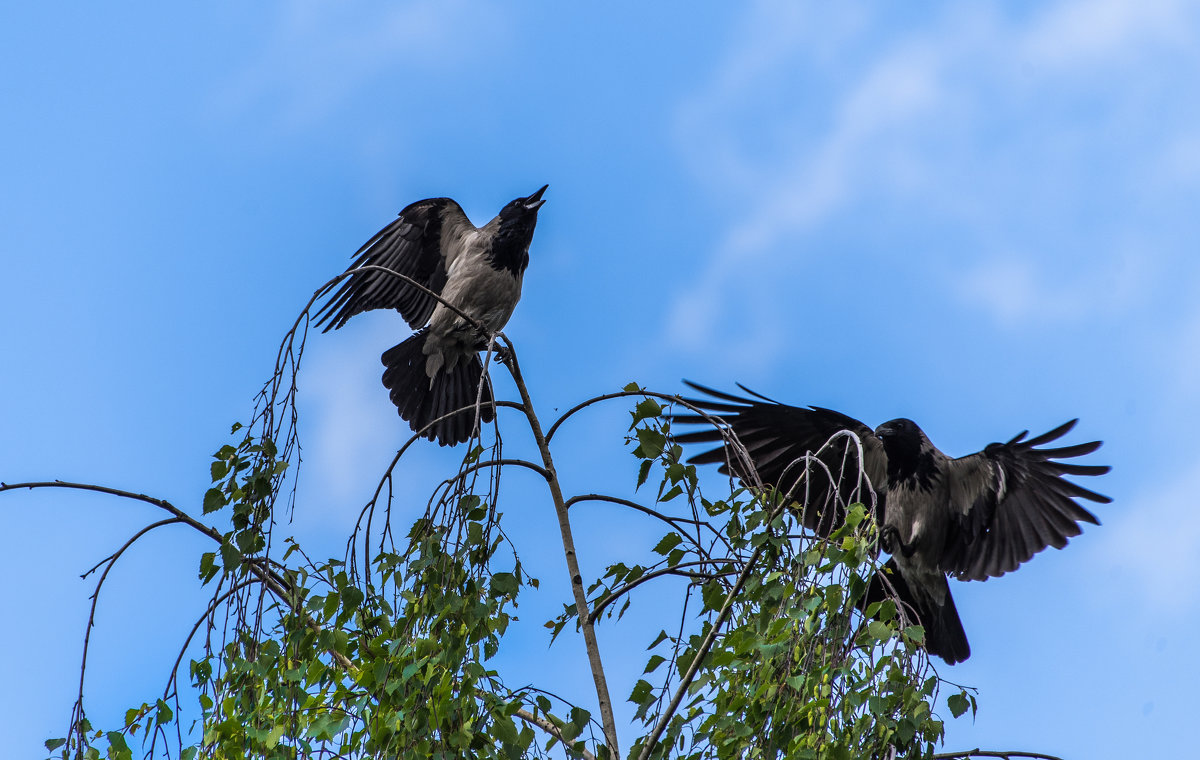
column 263, row 573
column 672, row 570
column 701, row 654
column 993, row 753
column 549, row 728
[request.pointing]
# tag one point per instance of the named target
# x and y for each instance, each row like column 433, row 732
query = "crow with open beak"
column 435, row 377
column 974, row 517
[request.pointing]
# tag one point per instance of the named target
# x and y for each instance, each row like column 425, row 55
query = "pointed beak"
column 534, row 202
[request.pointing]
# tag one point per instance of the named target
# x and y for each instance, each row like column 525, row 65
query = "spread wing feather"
column 1010, row 501
column 412, row 246
column 778, row 438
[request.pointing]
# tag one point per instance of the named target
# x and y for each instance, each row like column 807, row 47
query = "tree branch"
column 701, row 653
column 568, row 542
column 263, row 573
column 672, row 570
column 1007, row 755
column 549, row 728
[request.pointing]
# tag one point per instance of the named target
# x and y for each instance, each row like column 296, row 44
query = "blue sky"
column 979, row 216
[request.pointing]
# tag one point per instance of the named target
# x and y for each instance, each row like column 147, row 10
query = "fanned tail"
column 421, row 402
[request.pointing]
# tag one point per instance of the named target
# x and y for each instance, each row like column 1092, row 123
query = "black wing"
column 1010, row 501
column 411, row 245
column 778, row 439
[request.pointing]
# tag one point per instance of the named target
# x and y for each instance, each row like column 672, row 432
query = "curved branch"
column 500, row 463
column 622, row 394
column 391, row 272
column 672, row 570
column 208, row 611
column 264, row 574
column 1007, row 755
column 182, row 516
column 634, row 505
column 549, row 728
column 91, row 623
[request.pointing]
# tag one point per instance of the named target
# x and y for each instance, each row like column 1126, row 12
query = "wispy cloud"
column 320, row 53
column 351, row 428
column 1018, row 291
column 1083, row 33
column 998, row 125
column 1151, row 547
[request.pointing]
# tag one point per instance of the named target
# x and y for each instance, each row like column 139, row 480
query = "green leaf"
column 331, row 604
column 642, row 691
column 647, row 409
column 504, row 584
column 958, row 704
column 117, row 748
column 668, row 542
column 164, row 713
column 230, row 556
column 644, row 472
column 675, row 491
column 208, row 566
column 879, row 631
column 352, row 598
column 53, row 744
column 214, row 499
column 273, row 737
column 654, row 662
column 579, row 721
column 651, row 443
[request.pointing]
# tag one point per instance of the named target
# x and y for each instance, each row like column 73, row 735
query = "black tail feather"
column 420, row 402
column 944, row 634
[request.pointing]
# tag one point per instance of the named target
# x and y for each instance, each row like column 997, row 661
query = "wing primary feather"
column 1052, row 435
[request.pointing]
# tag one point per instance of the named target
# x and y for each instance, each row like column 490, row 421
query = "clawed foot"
column 889, row 541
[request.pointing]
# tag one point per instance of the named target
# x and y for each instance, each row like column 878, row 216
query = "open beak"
column 534, row 202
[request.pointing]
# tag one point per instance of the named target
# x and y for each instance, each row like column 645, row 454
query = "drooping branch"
column 672, row 570
column 1006, row 755
column 669, row 398
column 261, row 571
column 675, row 522
column 549, row 728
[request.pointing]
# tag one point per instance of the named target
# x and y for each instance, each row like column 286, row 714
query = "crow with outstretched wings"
column 974, row 517
column 436, row 377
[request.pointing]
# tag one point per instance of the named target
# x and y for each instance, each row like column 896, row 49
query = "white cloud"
column 1018, row 291
column 954, row 119
column 350, row 429
column 1082, row 33
column 1153, row 545
column 320, row 52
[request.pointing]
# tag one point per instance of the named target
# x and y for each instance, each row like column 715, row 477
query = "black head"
column 904, row 443
column 900, row 435
column 517, row 220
